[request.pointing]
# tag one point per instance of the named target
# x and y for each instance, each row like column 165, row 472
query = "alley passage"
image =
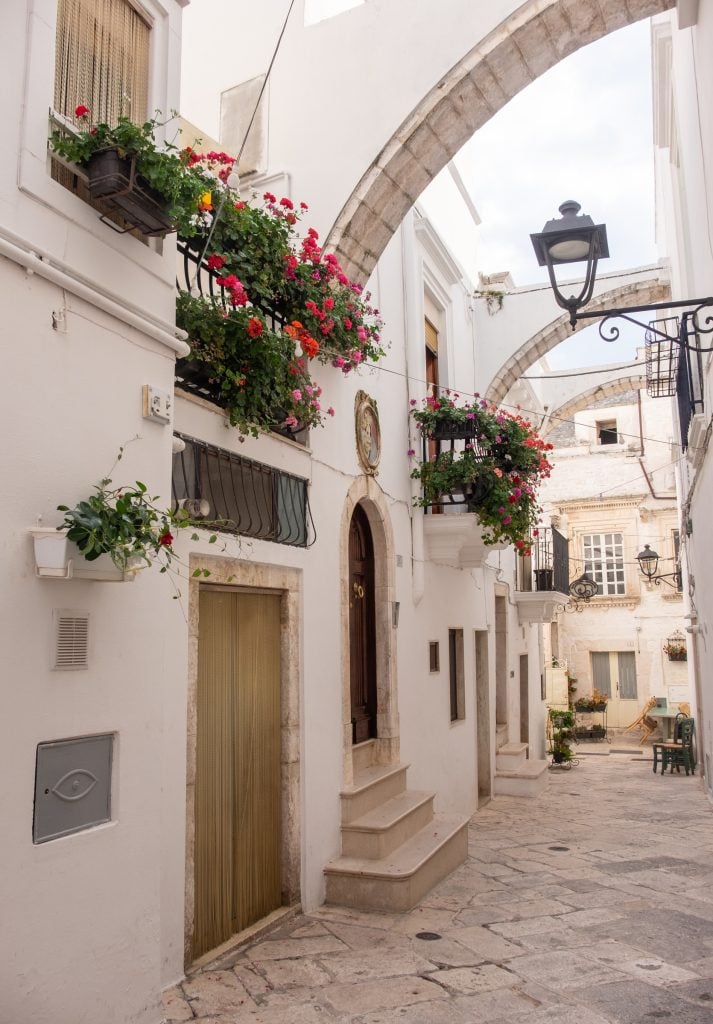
column 590, row 904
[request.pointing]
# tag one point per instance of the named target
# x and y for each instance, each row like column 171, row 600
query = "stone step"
column 377, row 834
column 363, row 755
column 528, row 780
column 511, row 756
column 372, row 787
column 397, row 882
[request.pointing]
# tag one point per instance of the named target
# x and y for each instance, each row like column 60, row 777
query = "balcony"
column 194, row 376
column 543, row 577
column 234, row 494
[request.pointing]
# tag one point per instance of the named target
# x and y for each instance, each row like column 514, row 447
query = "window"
column 456, row 674
column 431, row 335
column 101, row 59
column 434, row 656
column 238, row 495
column 604, row 561
column 677, row 557
column 606, row 432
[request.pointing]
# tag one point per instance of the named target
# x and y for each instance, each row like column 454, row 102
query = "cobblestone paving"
column 592, row 904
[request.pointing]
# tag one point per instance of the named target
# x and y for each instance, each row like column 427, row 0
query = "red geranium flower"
column 166, row 539
column 215, row 262
column 254, row 327
column 81, row 111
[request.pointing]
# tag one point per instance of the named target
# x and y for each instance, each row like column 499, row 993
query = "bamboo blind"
column 238, row 765
column 101, row 59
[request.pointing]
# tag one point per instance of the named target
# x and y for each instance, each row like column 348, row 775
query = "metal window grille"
column 662, row 356
column 238, row 495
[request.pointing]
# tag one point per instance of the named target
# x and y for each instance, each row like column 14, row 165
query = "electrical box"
column 156, row 404
column 72, row 786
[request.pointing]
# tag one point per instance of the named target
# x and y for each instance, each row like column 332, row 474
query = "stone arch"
column 638, row 292
column 525, row 45
column 366, row 492
column 619, row 386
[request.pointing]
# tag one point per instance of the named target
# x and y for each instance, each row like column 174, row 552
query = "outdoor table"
column 667, row 716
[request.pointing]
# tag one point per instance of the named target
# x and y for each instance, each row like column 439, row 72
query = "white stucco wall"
column 81, row 914
column 683, row 102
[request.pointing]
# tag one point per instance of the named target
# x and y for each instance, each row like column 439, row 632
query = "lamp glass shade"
column 570, row 250
column 648, row 561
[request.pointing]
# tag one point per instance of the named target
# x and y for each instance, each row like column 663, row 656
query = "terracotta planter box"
column 116, row 187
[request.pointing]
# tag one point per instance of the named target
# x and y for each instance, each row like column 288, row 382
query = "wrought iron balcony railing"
column 238, row 495
column 546, row 568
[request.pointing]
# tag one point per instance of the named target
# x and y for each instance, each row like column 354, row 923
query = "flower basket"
column 196, row 377
column 678, row 656
column 115, row 185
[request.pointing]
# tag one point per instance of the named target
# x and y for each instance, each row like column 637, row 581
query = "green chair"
column 680, row 750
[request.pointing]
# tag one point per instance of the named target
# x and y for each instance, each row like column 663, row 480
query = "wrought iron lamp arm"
column 608, row 332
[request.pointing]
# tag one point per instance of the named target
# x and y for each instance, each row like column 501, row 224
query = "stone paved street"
column 590, row 904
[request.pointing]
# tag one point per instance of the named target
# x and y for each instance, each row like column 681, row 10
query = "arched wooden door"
column 362, row 628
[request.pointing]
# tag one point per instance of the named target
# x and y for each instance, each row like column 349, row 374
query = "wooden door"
column 362, row 628
column 614, row 673
column 238, row 759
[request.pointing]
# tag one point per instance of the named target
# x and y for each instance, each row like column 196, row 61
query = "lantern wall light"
column 575, row 238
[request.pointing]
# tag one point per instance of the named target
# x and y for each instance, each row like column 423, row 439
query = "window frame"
column 598, row 569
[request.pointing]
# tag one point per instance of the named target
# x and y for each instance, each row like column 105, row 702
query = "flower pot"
column 114, row 184
column 475, row 491
column 544, row 579
column 195, row 376
column 58, row 558
column 678, row 656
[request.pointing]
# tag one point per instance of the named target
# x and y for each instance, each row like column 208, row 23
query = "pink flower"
column 291, row 421
column 412, row 402
column 297, row 395
column 507, row 520
column 330, row 411
column 411, row 453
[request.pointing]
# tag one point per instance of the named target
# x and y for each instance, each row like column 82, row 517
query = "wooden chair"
column 680, row 750
column 643, row 722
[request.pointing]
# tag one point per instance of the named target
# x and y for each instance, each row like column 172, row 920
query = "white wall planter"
column 57, row 558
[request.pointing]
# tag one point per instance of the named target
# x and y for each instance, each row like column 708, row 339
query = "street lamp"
column 575, row 238
column 648, row 560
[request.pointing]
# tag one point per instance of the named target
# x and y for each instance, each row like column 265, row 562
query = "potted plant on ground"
column 497, row 470
column 151, row 185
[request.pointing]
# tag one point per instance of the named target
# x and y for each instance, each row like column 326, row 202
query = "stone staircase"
column 515, row 773
column 394, row 848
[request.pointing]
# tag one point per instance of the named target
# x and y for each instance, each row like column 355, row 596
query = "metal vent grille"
column 71, row 640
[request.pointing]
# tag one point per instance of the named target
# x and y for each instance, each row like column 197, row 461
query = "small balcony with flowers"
column 260, row 302
column 479, row 470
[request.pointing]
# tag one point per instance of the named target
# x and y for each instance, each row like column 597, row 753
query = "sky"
column 581, row 131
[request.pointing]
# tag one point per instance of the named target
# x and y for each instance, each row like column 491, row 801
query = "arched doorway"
column 362, row 629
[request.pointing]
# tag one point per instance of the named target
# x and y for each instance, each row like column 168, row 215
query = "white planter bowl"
column 57, row 558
